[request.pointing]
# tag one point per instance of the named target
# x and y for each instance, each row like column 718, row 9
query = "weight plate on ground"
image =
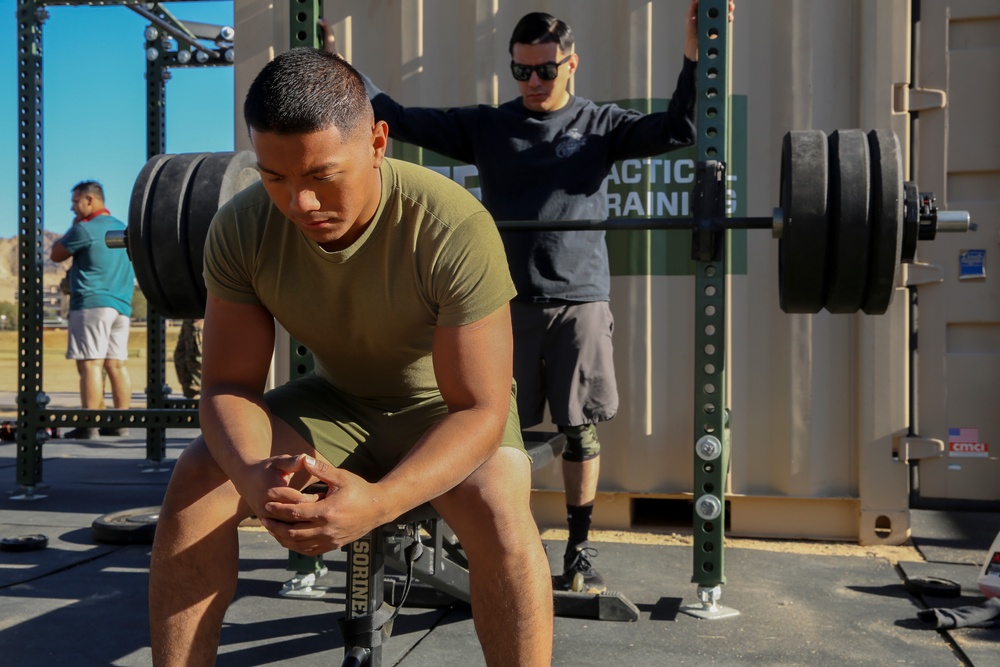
column 219, row 177
column 138, row 222
column 22, row 543
column 886, row 220
column 134, row 526
column 802, row 249
column 934, row 586
column 168, row 241
column 850, row 234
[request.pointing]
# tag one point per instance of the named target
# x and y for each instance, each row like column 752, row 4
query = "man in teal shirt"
column 101, row 284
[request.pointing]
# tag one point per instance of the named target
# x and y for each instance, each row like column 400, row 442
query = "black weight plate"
column 911, row 222
column 22, row 543
column 933, row 586
column 850, row 234
column 138, row 243
column 134, row 526
column 886, row 220
column 802, row 249
column 219, row 177
column 172, row 258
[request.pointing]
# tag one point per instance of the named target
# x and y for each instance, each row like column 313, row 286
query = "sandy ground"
column 59, row 374
column 893, row 554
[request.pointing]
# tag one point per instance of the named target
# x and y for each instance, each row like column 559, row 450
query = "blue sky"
column 94, row 104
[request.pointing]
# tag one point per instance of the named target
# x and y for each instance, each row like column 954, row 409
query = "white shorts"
column 97, row 333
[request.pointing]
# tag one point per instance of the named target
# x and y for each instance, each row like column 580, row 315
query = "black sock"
column 578, row 518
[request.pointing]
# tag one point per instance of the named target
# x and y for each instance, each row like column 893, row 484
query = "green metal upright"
column 303, row 30
column 31, row 401
column 710, row 251
column 157, row 391
column 302, row 27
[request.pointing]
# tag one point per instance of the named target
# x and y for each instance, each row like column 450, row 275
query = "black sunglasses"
column 546, row 71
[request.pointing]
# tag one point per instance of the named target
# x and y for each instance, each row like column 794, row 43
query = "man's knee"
column 498, row 488
column 581, row 443
column 89, row 366
column 115, row 366
column 196, row 468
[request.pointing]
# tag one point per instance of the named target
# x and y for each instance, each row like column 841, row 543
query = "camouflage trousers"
column 187, row 358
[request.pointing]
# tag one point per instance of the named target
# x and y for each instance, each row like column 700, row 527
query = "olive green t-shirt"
column 431, row 257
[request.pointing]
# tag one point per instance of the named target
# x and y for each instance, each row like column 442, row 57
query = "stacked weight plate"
column 842, row 221
column 173, row 202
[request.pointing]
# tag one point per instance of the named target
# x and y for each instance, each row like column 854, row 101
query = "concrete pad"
column 980, row 646
column 954, row 537
column 80, row 602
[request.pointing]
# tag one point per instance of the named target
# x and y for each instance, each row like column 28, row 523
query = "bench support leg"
column 365, row 562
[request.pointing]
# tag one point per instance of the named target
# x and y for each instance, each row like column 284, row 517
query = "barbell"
column 845, row 223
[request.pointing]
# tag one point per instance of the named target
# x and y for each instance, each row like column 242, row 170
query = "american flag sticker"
column 965, row 442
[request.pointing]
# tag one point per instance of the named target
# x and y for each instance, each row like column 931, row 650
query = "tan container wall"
column 813, row 397
column 958, row 158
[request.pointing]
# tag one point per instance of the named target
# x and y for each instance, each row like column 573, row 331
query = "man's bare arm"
column 59, row 252
column 473, row 365
column 328, row 38
column 237, row 344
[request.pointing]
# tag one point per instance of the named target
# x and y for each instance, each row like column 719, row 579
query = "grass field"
column 59, row 373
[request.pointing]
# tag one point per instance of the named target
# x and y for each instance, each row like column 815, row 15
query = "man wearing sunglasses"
column 545, row 156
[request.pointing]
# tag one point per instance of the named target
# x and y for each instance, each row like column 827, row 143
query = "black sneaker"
column 81, row 434
column 118, row 432
column 579, row 574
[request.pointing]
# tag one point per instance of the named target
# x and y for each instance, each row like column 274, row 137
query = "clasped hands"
column 313, row 523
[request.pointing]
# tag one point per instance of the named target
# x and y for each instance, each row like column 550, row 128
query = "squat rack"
column 710, row 246
column 34, row 416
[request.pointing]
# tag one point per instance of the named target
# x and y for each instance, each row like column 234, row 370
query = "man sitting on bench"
column 396, row 279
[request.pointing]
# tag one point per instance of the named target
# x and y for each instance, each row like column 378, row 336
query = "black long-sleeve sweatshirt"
column 548, row 166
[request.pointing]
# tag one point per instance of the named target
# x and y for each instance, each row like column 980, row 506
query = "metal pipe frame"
column 33, row 416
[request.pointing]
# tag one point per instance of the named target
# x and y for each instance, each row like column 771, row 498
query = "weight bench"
column 421, row 545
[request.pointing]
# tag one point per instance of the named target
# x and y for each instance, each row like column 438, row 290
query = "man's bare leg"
column 91, row 383
column 121, row 383
column 195, row 562
column 508, row 570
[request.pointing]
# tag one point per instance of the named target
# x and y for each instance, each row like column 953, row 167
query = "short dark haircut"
column 541, row 28
column 92, row 188
column 307, row 90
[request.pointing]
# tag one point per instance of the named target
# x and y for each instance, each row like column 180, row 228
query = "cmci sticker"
column 964, row 442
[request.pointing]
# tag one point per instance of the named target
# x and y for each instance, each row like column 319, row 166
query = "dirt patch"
column 893, row 554
column 60, row 375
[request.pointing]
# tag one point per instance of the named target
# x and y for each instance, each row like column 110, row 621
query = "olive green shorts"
column 366, row 436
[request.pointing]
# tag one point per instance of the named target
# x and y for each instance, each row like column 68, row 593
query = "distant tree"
column 10, row 310
column 139, row 306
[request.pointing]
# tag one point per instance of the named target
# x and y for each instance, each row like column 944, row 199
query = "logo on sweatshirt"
column 571, row 142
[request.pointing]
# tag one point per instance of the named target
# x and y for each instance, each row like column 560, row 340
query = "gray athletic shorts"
column 365, row 436
column 563, row 354
column 97, row 333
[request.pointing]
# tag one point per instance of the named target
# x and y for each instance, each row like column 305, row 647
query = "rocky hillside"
column 9, row 266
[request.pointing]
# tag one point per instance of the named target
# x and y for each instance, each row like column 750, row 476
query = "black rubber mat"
column 954, row 537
